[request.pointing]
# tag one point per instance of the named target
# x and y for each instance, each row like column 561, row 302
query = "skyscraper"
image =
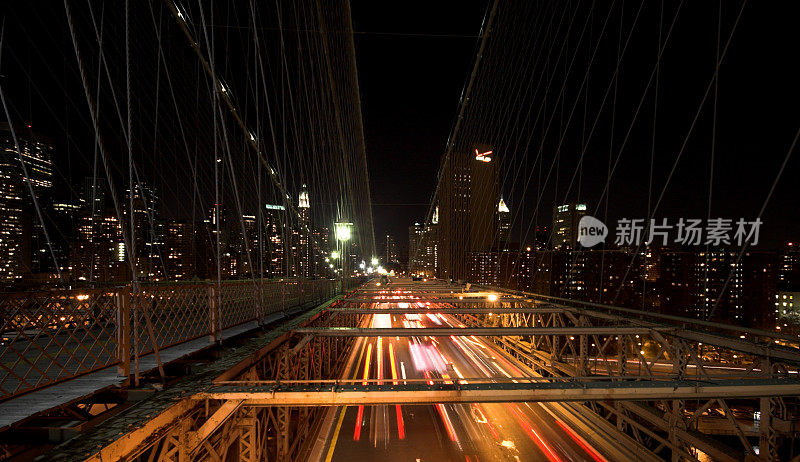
column 391, row 249
column 98, row 253
column 468, row 208
column 302, row 236
column 179, row 257
column 146, row 234
column 36, row 152
column 789, row 266
column 274, row 218
column 423, row 253
column 504, row 216
column 565, row 224
column 26, row 162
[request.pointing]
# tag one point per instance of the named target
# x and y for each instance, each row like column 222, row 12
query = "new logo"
column 591, row 231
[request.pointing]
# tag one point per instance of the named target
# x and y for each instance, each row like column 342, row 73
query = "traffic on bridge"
column 472, row 432
column 349, row 230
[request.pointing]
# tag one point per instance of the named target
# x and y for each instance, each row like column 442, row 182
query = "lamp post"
column 343, row 232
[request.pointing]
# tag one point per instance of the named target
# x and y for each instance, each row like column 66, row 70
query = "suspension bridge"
column 206, row 282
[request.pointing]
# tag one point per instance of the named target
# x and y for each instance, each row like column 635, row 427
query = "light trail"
column 360, row 416
column 379, row 357
column 581, row 442
column 523, row 422
column 451, row 431
column 471, row 355
column 392, row 363
column 359, row 419
column 401, row 431
column 367, row 363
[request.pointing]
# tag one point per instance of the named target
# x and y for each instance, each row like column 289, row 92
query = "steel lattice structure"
column 651, row 376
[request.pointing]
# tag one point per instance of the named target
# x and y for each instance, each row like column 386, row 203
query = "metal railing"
column 51, row 336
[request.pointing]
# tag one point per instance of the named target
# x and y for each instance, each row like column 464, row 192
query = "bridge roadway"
column 471, row 432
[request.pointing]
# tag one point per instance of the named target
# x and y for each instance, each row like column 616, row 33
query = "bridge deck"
column 146, row 417
column 36, row 402
column 42, row 400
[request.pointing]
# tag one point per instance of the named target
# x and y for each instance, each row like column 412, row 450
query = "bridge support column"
column 768, row 407
column 622, row 367
column 123, row 302
column 249, row 437
column 583, row 363
column 283, row 414
column 677, row 412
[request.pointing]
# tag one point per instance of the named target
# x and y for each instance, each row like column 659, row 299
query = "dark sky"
column 413, row 59
column 411, row 80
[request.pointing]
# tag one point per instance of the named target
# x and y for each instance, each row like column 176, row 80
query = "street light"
column 492, row 297
column 334, row 255
column 374, row 261
column 342, row 231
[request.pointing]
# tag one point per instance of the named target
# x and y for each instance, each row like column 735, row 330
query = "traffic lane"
column 485, row 432
column 473, row 441
column 500, row 430
column 475, row 357
column 380, row 432
column 529, row 429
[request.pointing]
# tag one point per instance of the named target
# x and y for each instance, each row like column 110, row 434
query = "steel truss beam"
column 450, row 298
column 461, row 310
column 479, row 331
column 317, row 394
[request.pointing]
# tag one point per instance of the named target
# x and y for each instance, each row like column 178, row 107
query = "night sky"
column 411, row 81
column 411, row 73
column 414, row 58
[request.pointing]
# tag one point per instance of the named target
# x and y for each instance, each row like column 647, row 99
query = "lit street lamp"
column 343, row 233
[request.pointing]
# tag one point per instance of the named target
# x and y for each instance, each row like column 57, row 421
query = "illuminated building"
column 274, row 218
column 483, row 267
column 60, row 219
column 504, row 217
column 789, row 265
column 301, row 245
column 468, row 208
column 748, row 299
column 36, row 152
column 391, row 249
column 16, row 203
column 565, row 225
column 213, row 256
column 146, row 234
column 677, row 283
column 13, row 252
column 178, row 250
column 423, row 253
column 98, row 253
column 247, row 247
column 787, row 310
